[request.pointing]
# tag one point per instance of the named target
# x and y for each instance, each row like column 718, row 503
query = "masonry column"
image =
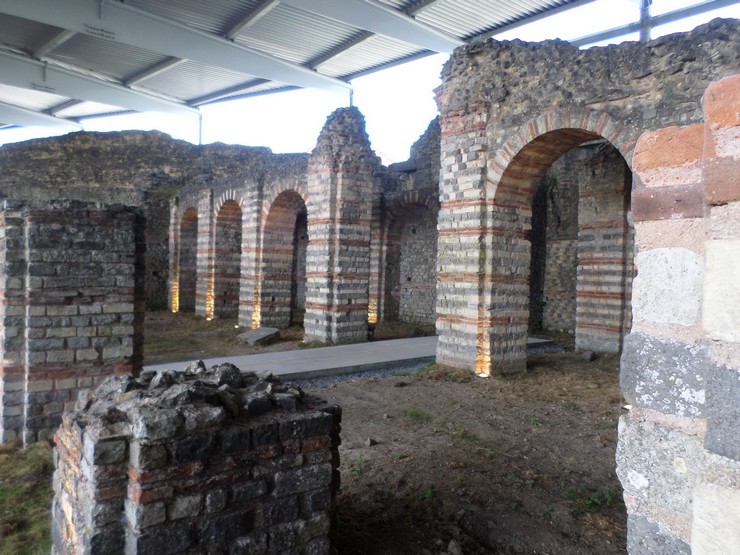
column 462, row 319
column 204, row 265
column 340, row 189
column 174, row 242
column 249, row 291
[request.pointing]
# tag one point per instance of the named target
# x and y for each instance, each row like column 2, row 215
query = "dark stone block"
column 193, row 448
column 723, row 412
column 302, row 428
column 303, row 478
column 244, row 492
column 234, row 439
column 163, row 540
column 265, row 434
column 281, row 510
column 646, row 538
column 664, row 375
column 221, row 529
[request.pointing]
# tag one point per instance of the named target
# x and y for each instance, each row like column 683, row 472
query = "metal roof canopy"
column 62, row 61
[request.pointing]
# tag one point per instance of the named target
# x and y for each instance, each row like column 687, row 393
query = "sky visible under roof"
column 398, row 103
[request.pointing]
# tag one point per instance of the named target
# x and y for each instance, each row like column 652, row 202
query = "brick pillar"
column 678, row 455
column 204, row 302
column 463, row 320
column 174, row 243
column 249, row 300
column 73, row 309
column 340, row 189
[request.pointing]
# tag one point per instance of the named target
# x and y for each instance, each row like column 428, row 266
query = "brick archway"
column 227, row 259
column 283, row 261
column 187, row 261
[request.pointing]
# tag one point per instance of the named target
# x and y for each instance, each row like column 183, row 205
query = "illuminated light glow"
column 483, row 358
column 372, row 311
column 175, row 293
column 211, row 295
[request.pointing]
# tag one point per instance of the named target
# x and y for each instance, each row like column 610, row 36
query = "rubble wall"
column 196, row 461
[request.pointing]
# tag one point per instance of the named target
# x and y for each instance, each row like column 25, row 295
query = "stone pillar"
column 204, row 302
column 678, row 456
column 463, row 319
column 174, row 243
column 249, row 299
column 73, row 310
column 340, row 192
column 196, row 462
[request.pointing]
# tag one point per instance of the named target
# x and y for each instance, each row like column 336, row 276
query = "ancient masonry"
column 594, row 191
column 196, row 461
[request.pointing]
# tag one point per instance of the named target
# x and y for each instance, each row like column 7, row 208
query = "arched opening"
column 562, row 247
column 283, row 275
column 410, row 265
column 188, row 260
column 227, row 260
column 581, row 253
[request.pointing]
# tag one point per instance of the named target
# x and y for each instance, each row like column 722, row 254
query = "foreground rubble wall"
column 196, row 461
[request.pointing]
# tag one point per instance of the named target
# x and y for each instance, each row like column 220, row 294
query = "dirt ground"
column 449, row 463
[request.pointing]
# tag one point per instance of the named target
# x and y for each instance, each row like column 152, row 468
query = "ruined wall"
column 404, row 243
column 196, row 461
column 499, row 136
column 72, row 310
column 678, row 456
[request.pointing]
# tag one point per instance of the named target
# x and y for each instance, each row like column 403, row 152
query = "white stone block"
column 716, row 526
column 721, row 314
column 667, row 288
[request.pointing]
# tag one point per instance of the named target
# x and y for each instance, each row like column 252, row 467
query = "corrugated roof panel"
column 24, row 34
column 466, row 19
column 112, row 59
column 29, row 99
column 191, row 80
column 295, row 35
column 211, row 16
column 84, row 109
column 369, row 53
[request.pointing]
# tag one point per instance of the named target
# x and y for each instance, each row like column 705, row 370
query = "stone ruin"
column 196, row 461
column 589, row 190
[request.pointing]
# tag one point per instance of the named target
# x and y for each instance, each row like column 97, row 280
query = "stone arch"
column 410, row 254
column 283, row 264
column 229, row 195
column 227, row 258
column 604, row 243
column 187, row 260
column 284, row 187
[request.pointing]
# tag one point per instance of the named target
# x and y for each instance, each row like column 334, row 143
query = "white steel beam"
column 16, row 115
column 23, row 72
column 373, row 16
column 119, row 22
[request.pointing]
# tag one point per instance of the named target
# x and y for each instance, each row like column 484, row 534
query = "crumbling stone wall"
column 404, row 235
column 678, row 459
column 72, row 310
column 196, row 461
column 499, row 136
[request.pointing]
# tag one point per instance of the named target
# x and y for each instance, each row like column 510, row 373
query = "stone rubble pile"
column 211, row 460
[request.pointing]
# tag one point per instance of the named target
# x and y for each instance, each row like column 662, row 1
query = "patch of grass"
column 416, row 415
column 587, row 500
column 312, row 344
column 446, row 373
column 25, row 498
column 534, row 421
column 471, row 438
column 571, row 406
column 520, row 482
column 356, row 468
column 425, row 495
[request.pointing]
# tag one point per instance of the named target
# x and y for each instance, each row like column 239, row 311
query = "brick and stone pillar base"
column 196, row 462
column 340, row 193
column 72, row 311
